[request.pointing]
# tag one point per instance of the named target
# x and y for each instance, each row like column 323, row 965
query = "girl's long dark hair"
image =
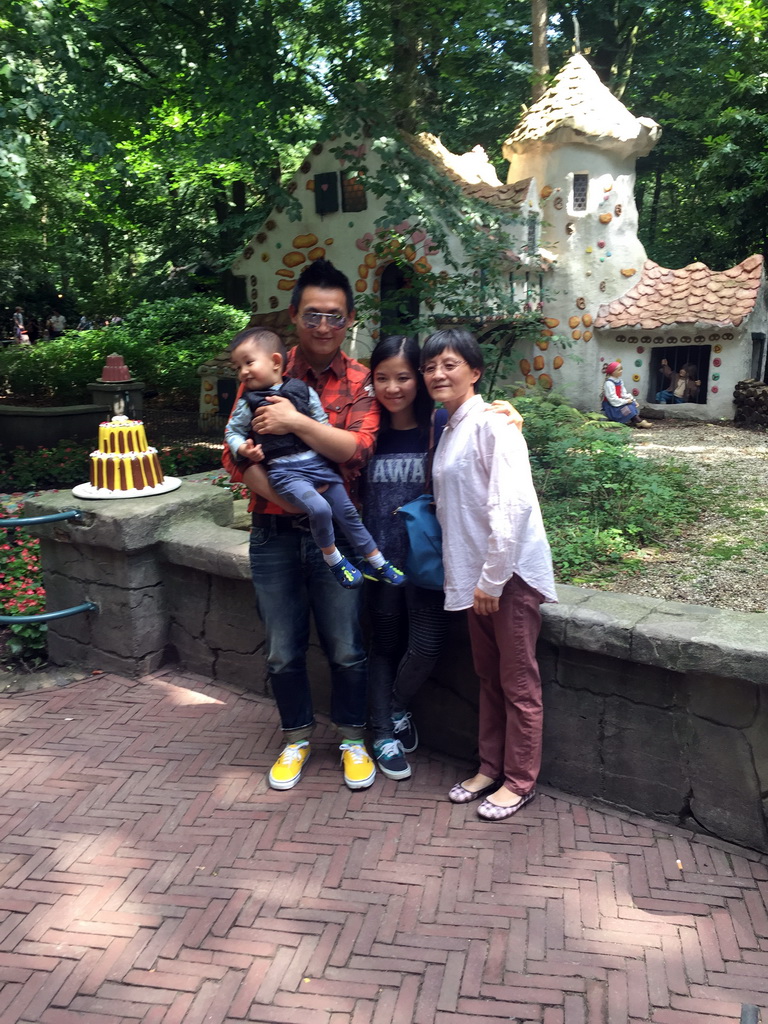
column 399, row 345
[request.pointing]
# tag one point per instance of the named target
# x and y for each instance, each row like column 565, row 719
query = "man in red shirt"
column 289, row 574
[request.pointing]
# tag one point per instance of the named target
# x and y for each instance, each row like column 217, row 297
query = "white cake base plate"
column 102, row 494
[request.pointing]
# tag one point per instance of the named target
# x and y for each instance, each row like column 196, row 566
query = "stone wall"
column 655, row 706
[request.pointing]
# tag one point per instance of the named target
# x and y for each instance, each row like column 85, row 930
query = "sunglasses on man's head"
column 334, row 320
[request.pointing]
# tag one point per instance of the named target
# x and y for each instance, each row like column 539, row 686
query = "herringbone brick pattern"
column 148, row 874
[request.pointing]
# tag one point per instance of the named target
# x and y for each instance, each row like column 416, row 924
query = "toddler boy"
column 294, row 470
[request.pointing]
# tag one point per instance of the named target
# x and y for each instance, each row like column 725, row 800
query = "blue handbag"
column 424, row 563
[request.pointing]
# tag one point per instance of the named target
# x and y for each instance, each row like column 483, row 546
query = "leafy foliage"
column 21, row 593
column 600, row 501
column 66, row 465
column 162, row 342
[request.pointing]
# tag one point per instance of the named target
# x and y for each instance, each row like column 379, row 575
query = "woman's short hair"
column 460, row 341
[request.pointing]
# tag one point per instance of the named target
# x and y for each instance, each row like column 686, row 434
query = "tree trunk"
column 653, row 218
column 539, row 18
column 405, row 65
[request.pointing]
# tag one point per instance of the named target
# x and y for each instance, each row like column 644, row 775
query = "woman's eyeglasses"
column 450, row 366
column 334, row 320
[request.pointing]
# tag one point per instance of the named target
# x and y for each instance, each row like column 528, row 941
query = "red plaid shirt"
column 347, row 399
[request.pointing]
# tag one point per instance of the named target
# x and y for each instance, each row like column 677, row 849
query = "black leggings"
column 409, row 626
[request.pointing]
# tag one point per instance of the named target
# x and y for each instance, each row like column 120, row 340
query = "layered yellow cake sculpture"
column 124, row 461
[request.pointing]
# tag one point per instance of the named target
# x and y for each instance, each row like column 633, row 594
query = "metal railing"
column 13, row 524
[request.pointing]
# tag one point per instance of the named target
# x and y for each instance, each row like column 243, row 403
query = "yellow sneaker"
column 359, row 769
column 287, row 769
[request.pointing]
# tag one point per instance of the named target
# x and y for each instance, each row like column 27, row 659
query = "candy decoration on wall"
column 538, row 362
column 546, row 192
column 574, row 321
column 640, row 349
column 247, row 253
column 265, row 257
column 602, row 285
column 587, row 320
column 557, row 362
column 717, row 362
column 282, row 272
column 273, row 302
column 543, row 344
column 581, row 303
column 318, row 253
column 551, row 322
column 525, row 367
column 558, row 202
column 304, row 241
column 714, row 337
column 545, row 381
column 329, row 241
column 310, row 185
column 530, row 381
column 587, row 336
column 718, row 348
column 715, row 376
column 714, row 389
column 638, row 362
column 285, row 286
column 635, row 377
column 635, row 392
column 628, row 271
column 606, row 218
column 601, row 244
column 576, row 335
column 294, row 259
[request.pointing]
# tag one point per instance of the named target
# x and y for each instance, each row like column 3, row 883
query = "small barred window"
column 580, row 188
column 353, row 197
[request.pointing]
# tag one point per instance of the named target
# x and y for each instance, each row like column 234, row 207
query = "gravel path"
column 722, row 559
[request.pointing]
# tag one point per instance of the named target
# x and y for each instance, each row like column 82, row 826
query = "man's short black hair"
column 265, row 339
column 323, row 274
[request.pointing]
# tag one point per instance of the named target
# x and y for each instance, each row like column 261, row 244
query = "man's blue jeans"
column 669, row 398
column 291, row 580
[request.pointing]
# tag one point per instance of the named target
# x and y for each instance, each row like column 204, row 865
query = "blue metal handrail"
column 87, row 606
column 55, row 517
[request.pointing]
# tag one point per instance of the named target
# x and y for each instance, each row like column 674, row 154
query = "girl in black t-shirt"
column 408, row 624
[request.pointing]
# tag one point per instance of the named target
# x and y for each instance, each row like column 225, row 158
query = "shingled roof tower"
column 580, row 144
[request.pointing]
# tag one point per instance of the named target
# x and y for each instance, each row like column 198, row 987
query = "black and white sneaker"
column 390, row 759
column 405, row 731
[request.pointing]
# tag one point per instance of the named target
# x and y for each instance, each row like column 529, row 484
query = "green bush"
column 600, row 500
column 67, row 464
column 162, row 342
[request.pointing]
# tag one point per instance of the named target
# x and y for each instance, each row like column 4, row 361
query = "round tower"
column 580, row 144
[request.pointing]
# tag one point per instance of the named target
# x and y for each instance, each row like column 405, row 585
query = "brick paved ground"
column 149, row 874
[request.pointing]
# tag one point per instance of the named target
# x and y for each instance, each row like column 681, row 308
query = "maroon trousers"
column 504, row 655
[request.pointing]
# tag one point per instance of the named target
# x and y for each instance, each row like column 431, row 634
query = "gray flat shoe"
column 493, row 812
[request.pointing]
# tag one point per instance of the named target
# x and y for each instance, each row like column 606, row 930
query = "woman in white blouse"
column 497, row 565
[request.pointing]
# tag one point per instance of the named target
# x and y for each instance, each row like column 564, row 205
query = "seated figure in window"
column 681, row 385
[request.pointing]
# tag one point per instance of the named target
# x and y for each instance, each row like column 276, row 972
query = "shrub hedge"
column 163, row 343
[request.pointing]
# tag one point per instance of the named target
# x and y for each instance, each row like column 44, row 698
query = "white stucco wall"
column 273, row 260
column 599, row 256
